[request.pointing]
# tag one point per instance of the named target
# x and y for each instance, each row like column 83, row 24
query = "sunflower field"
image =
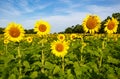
column 60, row 56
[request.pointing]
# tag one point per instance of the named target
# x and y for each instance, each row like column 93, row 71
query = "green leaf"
column 111, row 76
column 26, row 64
column 34, row 74
column 113, row 60
column 56, row 70
column 38, row 63
column 117, row 70
column 77, row 69
column 12, row 76
column 69, row 74
column 49, row 65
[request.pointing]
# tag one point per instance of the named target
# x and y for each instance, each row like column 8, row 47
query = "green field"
column 94, row 57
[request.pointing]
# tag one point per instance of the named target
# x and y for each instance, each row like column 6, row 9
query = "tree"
column 78, row 29
column 29, row 31
column 1, row 30
column 68, row 30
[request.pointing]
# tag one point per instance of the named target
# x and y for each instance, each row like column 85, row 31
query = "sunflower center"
column 59, row 47
column 91, row 22
column 61, row 37
column 73, row 37
column 14, row 32
column 42, row 28
column 111, row 25
column 29, row 39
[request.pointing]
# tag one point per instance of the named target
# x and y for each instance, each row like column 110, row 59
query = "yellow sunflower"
column 6, row 41
column 42, row 27
column 111, row 26
column 91, row 24
column 60, row 48
column 73, row 36
column 29, row 39
column 14, row 32
column 61, row 37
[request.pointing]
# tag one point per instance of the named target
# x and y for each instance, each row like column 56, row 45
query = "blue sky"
column 59, row 13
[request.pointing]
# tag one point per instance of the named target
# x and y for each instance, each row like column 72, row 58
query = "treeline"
column 77, row 28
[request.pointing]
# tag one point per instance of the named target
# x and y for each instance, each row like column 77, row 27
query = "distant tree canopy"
column 77, row 28
column 74, row 29
column 1, row 30
column 29, row 31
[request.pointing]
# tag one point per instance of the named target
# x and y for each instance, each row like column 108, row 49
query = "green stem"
column 100, row 63
column 81, row 50
column 43, row 61
column 19, row 62
column 63, row 64
column 101, row 53
column 6, row 49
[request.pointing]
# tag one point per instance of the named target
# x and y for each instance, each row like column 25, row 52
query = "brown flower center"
column 14, row 32
column 73, row 36
column 42, row 28
column 91, row 22
column 111, row 25
column 29, row 39
column 59, row 47
column 61, row 37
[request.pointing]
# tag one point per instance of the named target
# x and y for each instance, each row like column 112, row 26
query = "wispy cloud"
column 59, row 13
column 19, row 7
column 8, row 9
column 32, row 6
column 103, row 11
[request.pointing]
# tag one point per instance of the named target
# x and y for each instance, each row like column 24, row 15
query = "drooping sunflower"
column 29, row 39
column 14, row 32
column 60, row 48
column 111, row 26
column 91, row 24
column 73, row 36
column 42, row 27
column 61, row 37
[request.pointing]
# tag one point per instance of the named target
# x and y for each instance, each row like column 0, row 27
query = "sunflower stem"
column 63, row 64
column 43, row 61
column 100, row 63
column 101, row 53
column 19, row 62
column 81, row 50
column 6, row 49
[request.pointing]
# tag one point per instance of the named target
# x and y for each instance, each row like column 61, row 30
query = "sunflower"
column 73, row 36
column 111, row 25
column 14, row 32
column 29, row 39
column 60, row 48
column 42, row 27
column 6, row 41
column 61, row 37
column 91, row 24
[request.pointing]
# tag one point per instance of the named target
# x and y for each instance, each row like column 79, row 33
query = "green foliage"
column 1, row 30
column 90, row 61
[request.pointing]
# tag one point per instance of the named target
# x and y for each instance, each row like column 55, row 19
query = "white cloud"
column 27, row 8
column 66, row 1
column 9, row 10
column 103, row 11
column 61, row 22
column 3, row 22
column 58, row 22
